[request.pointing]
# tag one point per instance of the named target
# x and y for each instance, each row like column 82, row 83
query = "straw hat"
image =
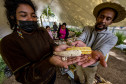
column 121, row 10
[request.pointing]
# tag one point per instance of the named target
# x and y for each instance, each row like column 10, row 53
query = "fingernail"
column 83, row 66
column 106, row 65
column 66, row 67
column 79, row 64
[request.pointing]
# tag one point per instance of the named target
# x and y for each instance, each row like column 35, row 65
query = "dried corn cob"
column 84, row 50
column 69, row 53
column 73, row 51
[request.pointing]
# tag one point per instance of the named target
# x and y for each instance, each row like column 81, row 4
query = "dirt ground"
column 115, row 72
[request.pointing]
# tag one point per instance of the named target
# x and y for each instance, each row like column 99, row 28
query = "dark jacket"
column 28, row 58
column 55, row 27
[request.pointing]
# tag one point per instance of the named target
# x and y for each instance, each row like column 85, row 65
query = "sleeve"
column 56, row 26
column 35, row 72
column 58, row 34
column 67, row 33
column 105, row 48
column 24, row 70
column 13, row 55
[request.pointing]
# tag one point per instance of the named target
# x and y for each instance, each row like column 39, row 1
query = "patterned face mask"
column 28, row 26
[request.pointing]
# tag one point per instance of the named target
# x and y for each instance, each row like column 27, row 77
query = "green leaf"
column 50, row 13
column 121, row 37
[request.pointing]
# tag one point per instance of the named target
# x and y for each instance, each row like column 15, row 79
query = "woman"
column 28, row 50
column 49, row 31
column 63, row 32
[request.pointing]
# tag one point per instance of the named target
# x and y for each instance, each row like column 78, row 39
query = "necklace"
column 19, row 33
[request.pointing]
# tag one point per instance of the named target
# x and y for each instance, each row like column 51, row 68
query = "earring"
column 19, row 32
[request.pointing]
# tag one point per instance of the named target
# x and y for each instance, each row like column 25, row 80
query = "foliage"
column 2, row 77
column 72, row 29
column 2, row 67
column 50, row 13
column 78, row 33
column 2, row 64
column 121, row 38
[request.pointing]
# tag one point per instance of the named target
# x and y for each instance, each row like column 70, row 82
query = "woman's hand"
column 92, row 58
column 79, row 44
column 57, row 61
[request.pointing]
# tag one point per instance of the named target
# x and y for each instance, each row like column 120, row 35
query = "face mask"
column 28, row 26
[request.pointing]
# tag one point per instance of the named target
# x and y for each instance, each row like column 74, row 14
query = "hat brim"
column 121, row 10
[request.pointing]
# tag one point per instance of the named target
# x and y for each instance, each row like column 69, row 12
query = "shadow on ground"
column 116, row 70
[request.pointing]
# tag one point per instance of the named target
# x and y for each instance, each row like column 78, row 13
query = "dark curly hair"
column 47, row 27
column 11, row 6
column 64, row 24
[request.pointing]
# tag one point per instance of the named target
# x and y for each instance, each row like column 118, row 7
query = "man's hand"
column 61, row 47
column 79, row 44
column 92, row 58
column 99, row 56
column 73, row 60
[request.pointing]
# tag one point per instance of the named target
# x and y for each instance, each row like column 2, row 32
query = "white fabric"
column 73, row 12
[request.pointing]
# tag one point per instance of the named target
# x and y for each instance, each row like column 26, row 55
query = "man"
column 55, row 27
column 99, row 38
